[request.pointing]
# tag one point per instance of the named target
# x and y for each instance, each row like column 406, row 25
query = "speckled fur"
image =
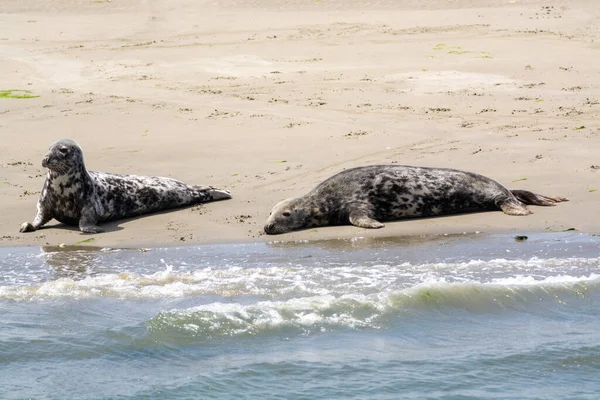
column 364, row 196
column 75, row 196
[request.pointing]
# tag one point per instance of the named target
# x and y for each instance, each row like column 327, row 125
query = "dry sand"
column 269, row 97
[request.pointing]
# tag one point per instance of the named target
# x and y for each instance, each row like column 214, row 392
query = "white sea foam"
column 523, row 280
column 276, row 282
column 305, row 314
column 360, row 310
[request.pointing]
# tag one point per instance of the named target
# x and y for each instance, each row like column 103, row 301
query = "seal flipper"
column 528, row 197
column 26, row 227
column 218, row 194
column 42, row 216
column 203, row 194
column 512, row 206
column 88, row 221
column 362, row 220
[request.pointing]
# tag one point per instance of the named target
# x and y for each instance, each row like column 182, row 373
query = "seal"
column 75, row 196
column 365, row 196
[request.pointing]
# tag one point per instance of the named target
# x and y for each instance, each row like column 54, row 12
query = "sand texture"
column 267, row 98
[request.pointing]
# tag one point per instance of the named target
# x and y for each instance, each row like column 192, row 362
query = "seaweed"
column 17, row 94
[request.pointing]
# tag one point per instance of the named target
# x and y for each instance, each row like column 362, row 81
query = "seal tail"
column 205, row 194
column 537, row 199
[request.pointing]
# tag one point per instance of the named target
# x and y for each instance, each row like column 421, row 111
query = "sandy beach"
column 267, row 98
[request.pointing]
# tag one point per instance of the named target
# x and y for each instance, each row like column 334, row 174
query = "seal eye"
column 286, row 214
column 63, row 150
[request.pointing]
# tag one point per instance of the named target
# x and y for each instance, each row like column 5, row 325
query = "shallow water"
column 450, row 317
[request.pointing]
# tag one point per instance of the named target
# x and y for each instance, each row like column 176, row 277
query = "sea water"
column 449, row 317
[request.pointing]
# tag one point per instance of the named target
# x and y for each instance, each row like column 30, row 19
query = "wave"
column 294, row 281
column 370, row 311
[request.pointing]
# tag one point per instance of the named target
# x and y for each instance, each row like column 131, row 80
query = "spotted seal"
column 75, row 196
column 364, row 196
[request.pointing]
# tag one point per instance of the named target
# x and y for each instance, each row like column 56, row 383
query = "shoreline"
column 286, row 240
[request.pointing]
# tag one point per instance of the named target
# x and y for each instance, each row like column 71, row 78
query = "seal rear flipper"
column 207, row 193
column 218, row 194
column 530, row 198
column 362, row 220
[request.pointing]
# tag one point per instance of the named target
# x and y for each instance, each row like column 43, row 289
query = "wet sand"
column 268, row 98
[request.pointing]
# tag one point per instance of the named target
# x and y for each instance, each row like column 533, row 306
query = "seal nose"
column 269, row 228
column 45, row 161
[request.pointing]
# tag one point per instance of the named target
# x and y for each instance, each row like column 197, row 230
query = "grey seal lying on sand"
column 364, row 196
column 75, row 196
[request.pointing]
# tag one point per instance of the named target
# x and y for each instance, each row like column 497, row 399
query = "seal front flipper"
column 514, row 207
column 41, row 217
column 362, row 220
column 26, row 227
column 88, row 221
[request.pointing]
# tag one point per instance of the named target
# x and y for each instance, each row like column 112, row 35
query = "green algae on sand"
column 17, row 94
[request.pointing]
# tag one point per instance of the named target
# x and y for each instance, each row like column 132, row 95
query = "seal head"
column 63, row 156
column 286, row 216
